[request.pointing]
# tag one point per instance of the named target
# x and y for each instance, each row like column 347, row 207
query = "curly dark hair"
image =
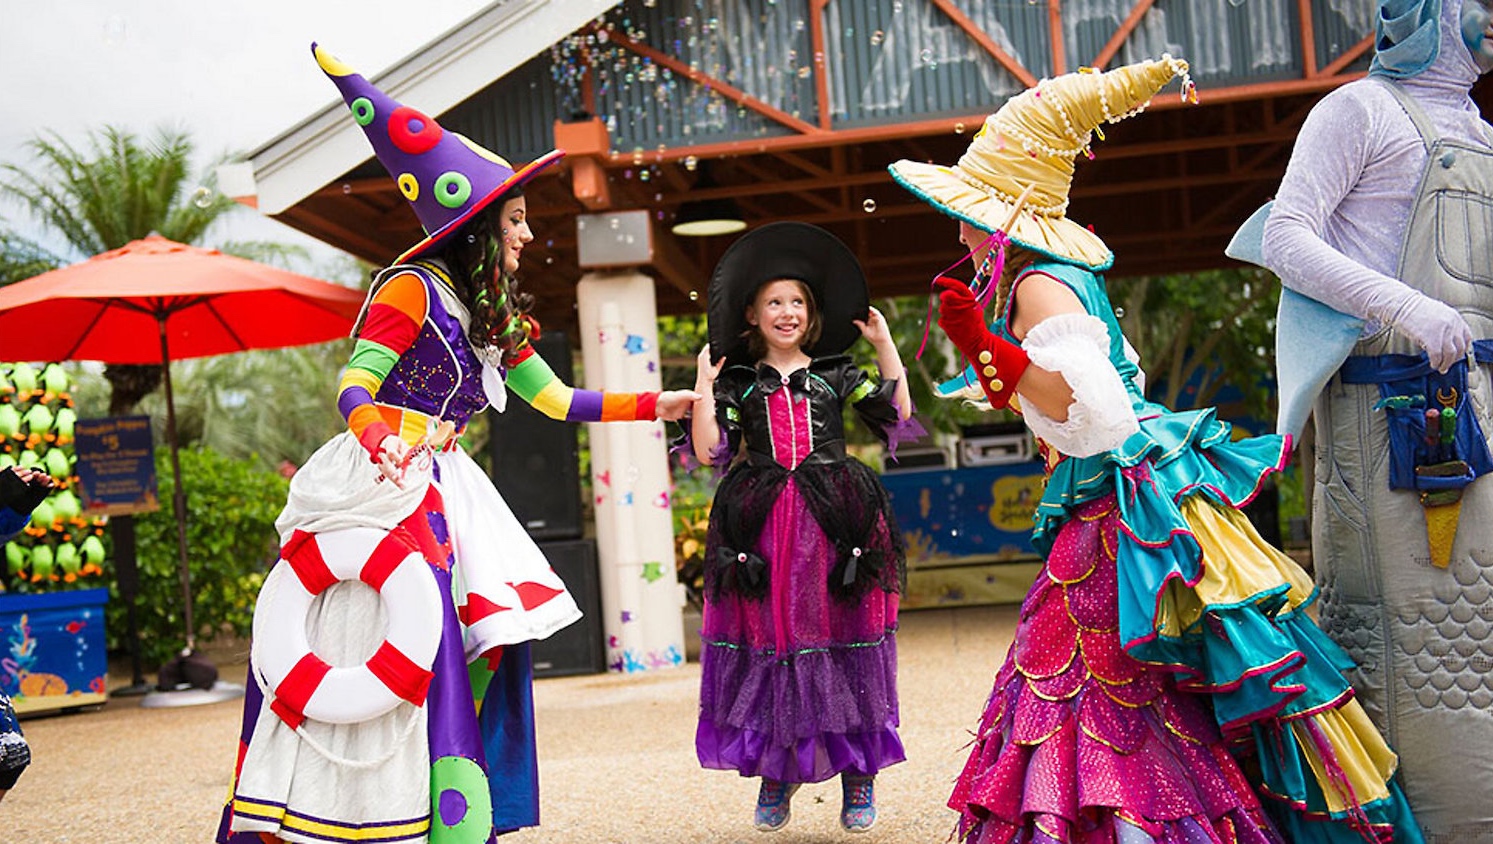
column 499, row 309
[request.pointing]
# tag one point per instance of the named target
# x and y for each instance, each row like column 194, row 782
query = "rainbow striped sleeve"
column 533, row 380
column 393, row 320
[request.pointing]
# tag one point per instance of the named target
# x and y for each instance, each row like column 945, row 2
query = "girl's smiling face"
column 781, row 313
column 1477, row 32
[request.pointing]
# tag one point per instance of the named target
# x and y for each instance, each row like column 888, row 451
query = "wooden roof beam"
column 678, row 269
column 1114, row 189
column 821, row 78
column 359, row 242
column 1308, row 31
column 725, row 89
column 949, row 125
column 1351, row 55
column 807, row 166
column 761, row 176
column 1128, row 26
column 981, row 37
column 1055, row 38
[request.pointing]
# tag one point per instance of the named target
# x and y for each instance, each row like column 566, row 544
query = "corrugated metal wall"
column 1339, row 24
column 894, row 61
column 888, row 62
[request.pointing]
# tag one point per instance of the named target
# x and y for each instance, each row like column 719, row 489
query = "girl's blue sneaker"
column 858, row 809
column 773, row 804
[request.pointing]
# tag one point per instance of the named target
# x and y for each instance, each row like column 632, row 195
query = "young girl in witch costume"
column 805, row 563
column 1163, row 632
column 347, row 738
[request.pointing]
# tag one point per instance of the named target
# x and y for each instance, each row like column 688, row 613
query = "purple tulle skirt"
column 798, row 686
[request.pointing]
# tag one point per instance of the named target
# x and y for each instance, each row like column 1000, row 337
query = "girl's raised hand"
column 874, row 328
column 706, row 370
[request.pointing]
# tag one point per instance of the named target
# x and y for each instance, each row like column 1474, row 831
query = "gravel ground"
column 616, row 758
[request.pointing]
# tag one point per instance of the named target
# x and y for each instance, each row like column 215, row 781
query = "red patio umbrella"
column 155, row 300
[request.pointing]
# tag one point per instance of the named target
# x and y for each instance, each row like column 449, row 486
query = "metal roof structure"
column 795, row 107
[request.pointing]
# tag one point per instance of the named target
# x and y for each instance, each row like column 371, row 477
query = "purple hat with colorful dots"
column 446, row 177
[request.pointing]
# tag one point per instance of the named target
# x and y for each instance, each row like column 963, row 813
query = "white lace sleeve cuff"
column 1100, row 418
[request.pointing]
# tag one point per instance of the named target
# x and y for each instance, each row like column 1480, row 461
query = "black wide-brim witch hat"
column 782, row 251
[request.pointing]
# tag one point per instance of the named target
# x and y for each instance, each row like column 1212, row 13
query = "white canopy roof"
column 434, row 78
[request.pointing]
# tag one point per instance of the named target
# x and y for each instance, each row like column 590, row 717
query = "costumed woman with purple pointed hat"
column 359, row 723
column 1163, row 637
column 1381, row 235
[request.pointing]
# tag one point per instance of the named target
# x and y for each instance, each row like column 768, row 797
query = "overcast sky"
column 234, row 73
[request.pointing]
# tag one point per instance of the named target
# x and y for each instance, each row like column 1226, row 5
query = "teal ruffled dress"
column 1165, row 675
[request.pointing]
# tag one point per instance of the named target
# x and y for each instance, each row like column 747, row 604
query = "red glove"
column 998, row 363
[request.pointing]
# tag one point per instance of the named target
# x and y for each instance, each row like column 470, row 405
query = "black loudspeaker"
column 576, row 649
column 535, row 459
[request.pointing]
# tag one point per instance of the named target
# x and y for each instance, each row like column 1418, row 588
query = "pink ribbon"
column 997, row 240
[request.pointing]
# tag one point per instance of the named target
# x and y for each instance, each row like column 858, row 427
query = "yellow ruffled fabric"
column 1239, row 566
column 1361, row 753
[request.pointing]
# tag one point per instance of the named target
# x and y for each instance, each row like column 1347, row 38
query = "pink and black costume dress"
column 435, row 766
column 1164, row 670
column 804, row 566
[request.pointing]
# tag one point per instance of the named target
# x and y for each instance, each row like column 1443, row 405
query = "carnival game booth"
column 966, row 515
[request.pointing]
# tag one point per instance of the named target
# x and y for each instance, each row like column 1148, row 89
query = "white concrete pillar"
column 641, row 598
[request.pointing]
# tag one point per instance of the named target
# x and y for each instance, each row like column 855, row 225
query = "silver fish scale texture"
column 1453, row 644
column 1450, row 640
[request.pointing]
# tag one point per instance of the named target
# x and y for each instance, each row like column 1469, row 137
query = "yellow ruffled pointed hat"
column 1032, row 141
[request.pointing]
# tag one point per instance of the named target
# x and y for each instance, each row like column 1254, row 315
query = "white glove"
column 1434, row 326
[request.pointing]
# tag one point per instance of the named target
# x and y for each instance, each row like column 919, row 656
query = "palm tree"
column 21, row 258
column 115, row 189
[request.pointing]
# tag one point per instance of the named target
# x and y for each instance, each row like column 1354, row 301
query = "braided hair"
column 499, row 310
column 1017, row 260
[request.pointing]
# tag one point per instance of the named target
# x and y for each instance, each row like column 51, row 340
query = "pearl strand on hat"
column 1057, row 103
column 1178, row 68
column 1033, row 145
column 1111, row 117
column 999, row 195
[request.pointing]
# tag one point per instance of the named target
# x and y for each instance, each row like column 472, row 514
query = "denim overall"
column 1402, row 457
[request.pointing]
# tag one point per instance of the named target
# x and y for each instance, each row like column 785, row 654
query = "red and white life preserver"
column 300, row 684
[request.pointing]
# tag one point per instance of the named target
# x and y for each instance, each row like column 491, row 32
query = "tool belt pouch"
column 1436, row 446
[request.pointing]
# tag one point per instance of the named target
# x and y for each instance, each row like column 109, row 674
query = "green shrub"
column 231, row 542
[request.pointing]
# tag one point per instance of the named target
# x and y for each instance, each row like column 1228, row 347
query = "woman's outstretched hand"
column 393, row 457
column 673, row 404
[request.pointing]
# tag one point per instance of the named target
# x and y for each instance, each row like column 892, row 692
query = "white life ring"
column 299, row 683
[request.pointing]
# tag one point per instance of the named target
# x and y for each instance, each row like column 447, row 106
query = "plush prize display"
column 60, row 544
